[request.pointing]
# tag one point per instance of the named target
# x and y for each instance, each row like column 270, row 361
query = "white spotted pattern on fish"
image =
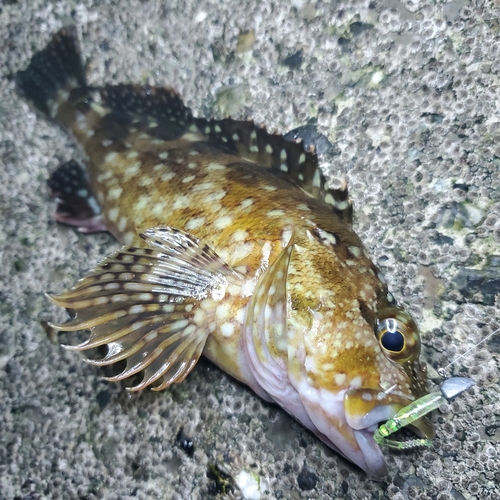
column 235, row 247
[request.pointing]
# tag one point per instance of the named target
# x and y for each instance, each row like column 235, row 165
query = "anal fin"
column 142, row 302
column 76, row 204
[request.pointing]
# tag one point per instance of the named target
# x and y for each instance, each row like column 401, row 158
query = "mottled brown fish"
column 235, row 248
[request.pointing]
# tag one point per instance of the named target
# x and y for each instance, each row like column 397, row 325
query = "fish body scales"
column 234, row 247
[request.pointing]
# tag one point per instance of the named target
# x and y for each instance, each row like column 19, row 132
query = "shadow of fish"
column 235, row 248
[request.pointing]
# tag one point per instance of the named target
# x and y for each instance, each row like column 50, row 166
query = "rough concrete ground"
column 408, row 92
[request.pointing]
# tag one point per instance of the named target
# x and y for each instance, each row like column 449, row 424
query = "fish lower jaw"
column 376, row 465
column 327, row 413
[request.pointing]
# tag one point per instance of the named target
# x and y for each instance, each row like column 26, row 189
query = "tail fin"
column 56, row 68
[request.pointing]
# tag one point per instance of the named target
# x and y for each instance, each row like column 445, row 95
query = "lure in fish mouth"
column 321, row 371
column 235, row 248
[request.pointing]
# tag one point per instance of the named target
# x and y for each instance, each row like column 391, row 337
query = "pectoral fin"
column 142, row 302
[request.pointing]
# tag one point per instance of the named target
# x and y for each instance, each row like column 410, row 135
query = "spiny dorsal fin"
column 290, row 158
column 310, row 137
column 171, row 118
column 141, row 303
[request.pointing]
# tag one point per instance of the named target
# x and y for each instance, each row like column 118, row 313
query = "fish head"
column 352, row 353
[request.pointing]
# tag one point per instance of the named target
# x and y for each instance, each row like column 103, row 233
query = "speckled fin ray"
column 162, row 111
column 142, row 302
column 76, row 204
column 57, row 67
column 289, row 158
column 159, row 109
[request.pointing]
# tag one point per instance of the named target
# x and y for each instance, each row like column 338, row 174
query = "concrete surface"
column 408, row 92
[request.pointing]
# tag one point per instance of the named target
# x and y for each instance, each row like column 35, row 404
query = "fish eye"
column 392, row 341
column 397, row 335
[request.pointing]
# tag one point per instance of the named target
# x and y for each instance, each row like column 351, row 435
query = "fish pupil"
column 393, row 341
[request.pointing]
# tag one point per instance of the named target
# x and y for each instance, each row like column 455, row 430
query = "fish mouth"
column 347, row 420
column 364, row 411
column 371, row 453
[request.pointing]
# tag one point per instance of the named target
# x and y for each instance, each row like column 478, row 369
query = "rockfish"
column 235, row 248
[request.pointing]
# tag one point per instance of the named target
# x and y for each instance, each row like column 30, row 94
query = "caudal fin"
column 56, row 68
